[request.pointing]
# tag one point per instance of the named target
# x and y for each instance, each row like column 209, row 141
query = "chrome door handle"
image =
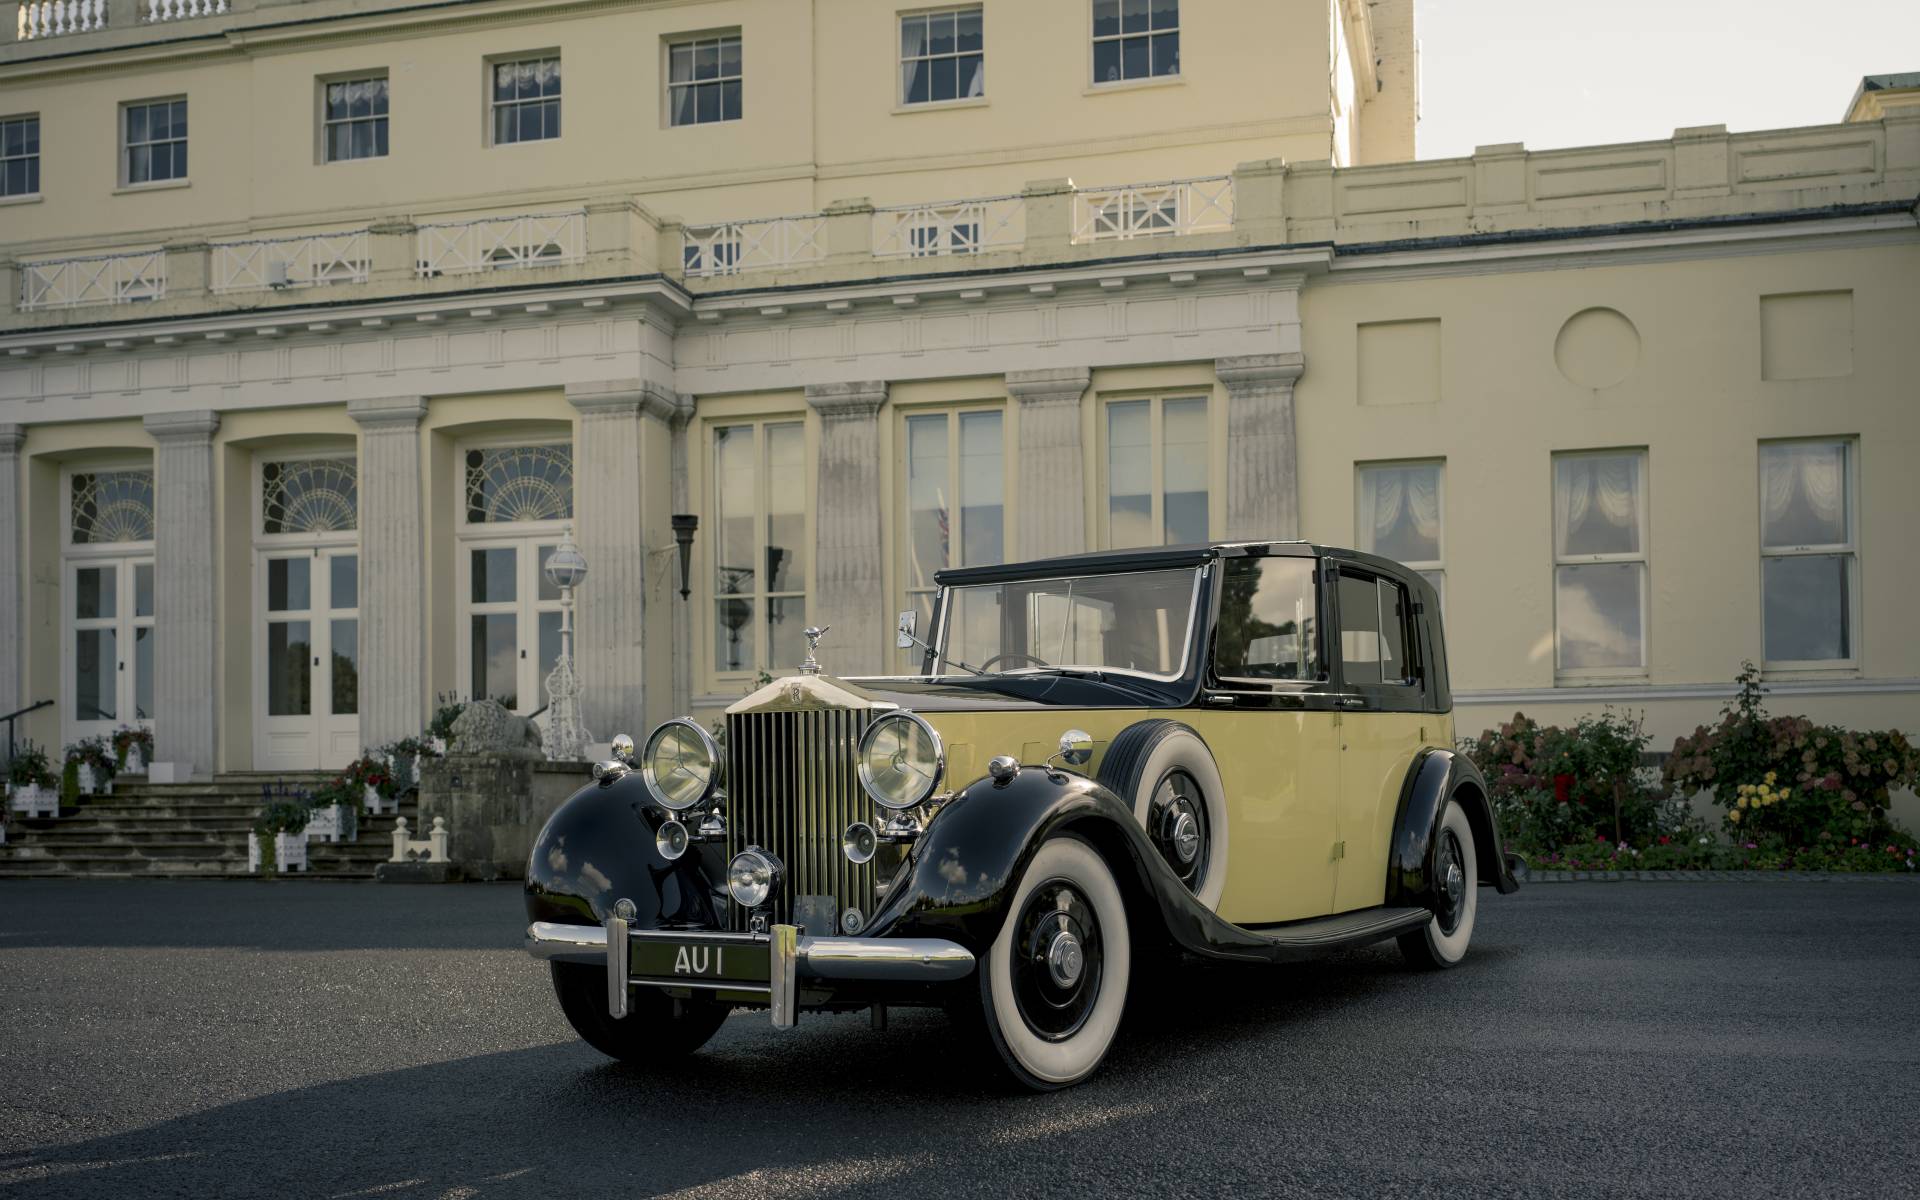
column 1352, row 702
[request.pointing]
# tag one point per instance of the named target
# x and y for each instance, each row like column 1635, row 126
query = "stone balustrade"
column 500, row 243
column 38, row 19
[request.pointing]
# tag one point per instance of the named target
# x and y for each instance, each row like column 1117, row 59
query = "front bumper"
column 791, row 957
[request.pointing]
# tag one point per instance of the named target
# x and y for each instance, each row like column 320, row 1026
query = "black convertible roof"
column 1109, row 562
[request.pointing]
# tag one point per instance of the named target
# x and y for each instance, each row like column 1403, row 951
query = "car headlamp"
column 901, row 761
column 680, row 764
column 752, row 876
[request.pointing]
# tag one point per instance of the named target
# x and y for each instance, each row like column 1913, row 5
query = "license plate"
column 702, row 960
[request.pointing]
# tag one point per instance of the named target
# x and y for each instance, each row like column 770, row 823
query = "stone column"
column 1050, row 473
column 848, row 588
column 12, row 578
column 185, row 590
column 1263, row 455
column 393, row 644
column 609, row 614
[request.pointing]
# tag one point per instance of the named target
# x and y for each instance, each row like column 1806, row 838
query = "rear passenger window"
column 1375, row 631
column 1269, row 621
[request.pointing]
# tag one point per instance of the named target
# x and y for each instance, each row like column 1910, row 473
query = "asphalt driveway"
column 332, row 1040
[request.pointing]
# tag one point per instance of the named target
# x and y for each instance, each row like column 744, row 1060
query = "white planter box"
column 375, row 804
column 34, row 801
column 289, row 852
column 332, row 824
column 439, row 746
column 91, row 784
column 136, row 763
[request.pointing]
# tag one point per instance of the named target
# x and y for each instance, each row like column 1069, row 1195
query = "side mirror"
column 1076, row 747
column 909, row 621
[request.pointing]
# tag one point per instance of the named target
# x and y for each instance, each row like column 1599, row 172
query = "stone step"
column 139, row 869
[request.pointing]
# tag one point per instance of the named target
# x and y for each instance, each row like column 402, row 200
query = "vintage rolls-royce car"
column 1237, row 752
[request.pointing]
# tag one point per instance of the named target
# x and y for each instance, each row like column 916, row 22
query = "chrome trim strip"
column 902, row 960
column 785, row 952
column 567, row 943
column 619, row 953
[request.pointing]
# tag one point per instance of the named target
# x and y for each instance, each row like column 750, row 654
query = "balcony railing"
column 495, row 243
column 38, row 19
column 103, row 279
column 154, row 11
column 954, row 227
column 1134, row 210
column 315, row 260
column 735, row 246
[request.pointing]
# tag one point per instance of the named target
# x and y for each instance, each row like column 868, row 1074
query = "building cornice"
column 847, row 401
column 1049, row 385
column 193, row 425
column 387, row 412
column 1250, row 372
column 642, row 397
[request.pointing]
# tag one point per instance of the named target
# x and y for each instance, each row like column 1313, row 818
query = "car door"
column 1382, row 723
column 1268, row 713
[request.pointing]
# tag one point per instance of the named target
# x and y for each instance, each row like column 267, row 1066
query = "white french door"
column 307, row 657
column 510, row 637
column 109, row 640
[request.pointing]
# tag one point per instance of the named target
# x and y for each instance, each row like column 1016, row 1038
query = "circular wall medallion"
column 1597, row 348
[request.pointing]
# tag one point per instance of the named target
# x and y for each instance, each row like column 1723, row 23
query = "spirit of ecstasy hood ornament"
column 813, row 633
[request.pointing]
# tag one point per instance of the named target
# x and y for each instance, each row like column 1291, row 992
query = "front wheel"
column 1442, row 942
column 655, row 1029
column 1053, row 984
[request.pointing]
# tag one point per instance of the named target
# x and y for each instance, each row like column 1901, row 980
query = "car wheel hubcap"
column 1177, row 821
column 1452, row 880
column 1058, row 960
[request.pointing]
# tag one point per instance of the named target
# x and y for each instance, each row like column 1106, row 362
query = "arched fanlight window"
column 519, row 483
column 112, row 506
column 310, row 495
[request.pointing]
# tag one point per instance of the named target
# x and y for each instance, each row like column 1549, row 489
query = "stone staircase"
column 180, row 831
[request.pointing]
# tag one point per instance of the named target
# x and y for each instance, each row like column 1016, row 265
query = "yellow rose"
column 1770, row 776
column 1734, row 816
column 1743, row 804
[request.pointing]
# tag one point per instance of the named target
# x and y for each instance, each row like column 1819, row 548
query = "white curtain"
column 1595, row 504
column 1814, row 472
column 1389, row 495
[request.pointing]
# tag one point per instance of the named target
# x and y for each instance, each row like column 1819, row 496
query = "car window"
column 1269, row 626
column 1375, row 630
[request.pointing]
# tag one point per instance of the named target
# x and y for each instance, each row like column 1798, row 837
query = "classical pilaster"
column 393, row 648
column 681, row 502
column 184, row 566
column 11, row 577
column 609, row 527
column 1263, row 455
column 1051, row 469
column 848, row 593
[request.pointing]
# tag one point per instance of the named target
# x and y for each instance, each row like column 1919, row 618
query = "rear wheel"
column 656, row 1028
column 1166, row 773
column 1442, row 942
column 1053, row 984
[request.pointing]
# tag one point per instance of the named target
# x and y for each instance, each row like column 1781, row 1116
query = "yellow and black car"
column 1235, row 752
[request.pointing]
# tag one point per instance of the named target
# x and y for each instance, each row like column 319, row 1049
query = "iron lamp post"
column 566, row 736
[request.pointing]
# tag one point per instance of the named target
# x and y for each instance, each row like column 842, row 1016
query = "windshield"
column 1137, row 622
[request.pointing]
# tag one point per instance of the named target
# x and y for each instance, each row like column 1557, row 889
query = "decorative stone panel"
column 185, row 580
column 849, row 592
column 1263, row 453
column 1050, row 466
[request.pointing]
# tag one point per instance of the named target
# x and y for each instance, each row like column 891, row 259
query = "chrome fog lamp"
column 901, row 761
column 859, row 843
column 671, row 840
column 752, row 877
column 680, row 764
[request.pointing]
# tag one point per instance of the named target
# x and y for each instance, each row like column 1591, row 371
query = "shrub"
column 1790, row 780
column 126, row 738
column 1553, row 786
column 368, row 771
column 29, row 767
column 447, row 710
column 283, row 817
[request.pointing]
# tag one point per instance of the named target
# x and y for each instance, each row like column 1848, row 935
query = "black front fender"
column 1436, row 777
column 961, row 877
column 598, row 847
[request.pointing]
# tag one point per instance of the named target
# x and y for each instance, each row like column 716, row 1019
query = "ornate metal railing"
column 315, row 260
column 103, row 279
column 493, row 243
column 952, row 227
column 1134, row 210
column 55, row 18
column 735, row 246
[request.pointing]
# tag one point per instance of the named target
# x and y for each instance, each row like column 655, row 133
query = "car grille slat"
column 793, row 789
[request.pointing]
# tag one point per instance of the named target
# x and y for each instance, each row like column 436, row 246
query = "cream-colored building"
column 324, row 319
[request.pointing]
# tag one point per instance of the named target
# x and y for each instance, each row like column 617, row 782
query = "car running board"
column 1356, row 928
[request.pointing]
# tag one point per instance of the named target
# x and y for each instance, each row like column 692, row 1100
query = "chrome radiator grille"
column 793, row 788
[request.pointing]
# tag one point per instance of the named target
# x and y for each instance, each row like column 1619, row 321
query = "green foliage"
column 282, row 817
column 1703, row 852
column 126, row 738
column 1786, row 778
column 447, row 710
column 1553, row 786
column 30, row 767
column 95, row 752
column 368, row 771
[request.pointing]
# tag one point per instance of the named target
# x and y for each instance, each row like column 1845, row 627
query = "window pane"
column 136, row 124
column 495, row 576
column 1596, row 504
column 973, row 76
column 1133, row 16
column 289, row 669
column 1807, row 609
column 1399, row 515
column 344, row 591
column 946, row 79
column 1129, row 474
column 380, row 138
column 549, row 650
column 288, row 584
column 1597, row 619
column 927, row 516
column 143, row 590
column 680, row 63
column 1106, row 62
column 1185, row 471
column 681, row 103
column 94, row 663
column 706, row 60
column 1106, row 17
column 940, row 33
column 1803, row 494
column 916, row 81
column 733, row 634
column 967, row 31
column 730, row 100
column 982, row 490
column 1360, row 643
column 336, row 101
column 362, row 132
column 1395, row 633
column 786, row 508
column 706, row 103
column 143, row 673
column 345, row 687
column 377, row 89
column 1166, row 14
column 913, row 37
column 1134, row 62
column 1166, row 54
column 503, row 81
column 1269, row 628
column 735, row 488
column 95, row 593
column 340, row 143
column 495, row 646
column 786, row 646
column 547, row 590
column 139, row 165
column 504, row 128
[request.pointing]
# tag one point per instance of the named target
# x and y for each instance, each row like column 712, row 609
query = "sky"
column 1556, row 73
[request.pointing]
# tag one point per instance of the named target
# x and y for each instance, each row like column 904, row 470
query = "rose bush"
column 1555, row 786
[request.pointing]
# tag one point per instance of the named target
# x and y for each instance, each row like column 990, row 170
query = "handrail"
column 19, row 712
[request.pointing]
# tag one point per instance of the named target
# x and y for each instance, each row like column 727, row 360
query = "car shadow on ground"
column 834, row 1105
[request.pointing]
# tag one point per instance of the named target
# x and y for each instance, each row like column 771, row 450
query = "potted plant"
column 440, row 729
column 133, row 748
column 279, row 842
column 373, row 779
column 335, row 810
column 404, row 758
column 31, row 784
column 93, row 764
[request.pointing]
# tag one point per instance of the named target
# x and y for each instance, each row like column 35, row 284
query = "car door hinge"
column 1339, row 851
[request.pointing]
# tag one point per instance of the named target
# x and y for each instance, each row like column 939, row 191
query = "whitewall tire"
column 1442, row 942
column 1054, row 982
column 1169, row 777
